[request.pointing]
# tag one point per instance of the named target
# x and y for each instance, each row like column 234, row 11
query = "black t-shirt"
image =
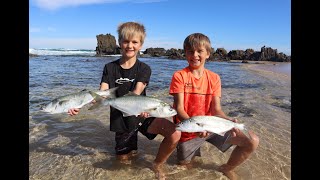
column 126, row 79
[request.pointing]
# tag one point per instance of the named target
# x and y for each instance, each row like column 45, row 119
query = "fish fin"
column 99, row 102
column 130, row 93
column 112, row 92
column 222, row 133
column 124, row 114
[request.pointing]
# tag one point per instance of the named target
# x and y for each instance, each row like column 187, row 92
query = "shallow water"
column 82, row 147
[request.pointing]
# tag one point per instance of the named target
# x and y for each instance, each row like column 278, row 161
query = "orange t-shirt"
column 198, row 94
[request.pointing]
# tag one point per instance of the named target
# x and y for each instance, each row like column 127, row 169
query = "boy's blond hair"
column 195, row 40
column 129, row 29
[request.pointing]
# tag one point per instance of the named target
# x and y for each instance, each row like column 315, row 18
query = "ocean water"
column 82, row 147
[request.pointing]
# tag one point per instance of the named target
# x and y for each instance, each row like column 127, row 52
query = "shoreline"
column 282, row 69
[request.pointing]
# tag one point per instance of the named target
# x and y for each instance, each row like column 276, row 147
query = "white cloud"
column 77, row 43
column 51, row 29
column 57, row 4
column 165, row 43
column 33, row 30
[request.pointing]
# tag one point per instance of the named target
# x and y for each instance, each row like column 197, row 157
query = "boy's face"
column 130, row 47
column 197, row 57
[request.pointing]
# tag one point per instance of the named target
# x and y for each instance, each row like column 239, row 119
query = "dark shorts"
column 128, row 141
column 188, row 149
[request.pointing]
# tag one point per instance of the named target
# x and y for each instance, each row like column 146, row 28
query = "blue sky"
column 230, row 24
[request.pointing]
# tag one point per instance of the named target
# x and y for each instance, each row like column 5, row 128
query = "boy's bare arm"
column 179, row 102
column 217, row 110
column 139, row 87
column 104, row 86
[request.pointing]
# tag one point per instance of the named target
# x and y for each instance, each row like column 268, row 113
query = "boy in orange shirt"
column 197, row 91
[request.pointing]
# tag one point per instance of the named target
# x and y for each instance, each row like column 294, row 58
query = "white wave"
column 62, row 51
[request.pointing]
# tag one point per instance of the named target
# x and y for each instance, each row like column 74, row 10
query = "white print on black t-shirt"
column 122, row 80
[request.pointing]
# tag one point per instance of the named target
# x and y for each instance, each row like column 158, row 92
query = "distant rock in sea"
column 33, row 55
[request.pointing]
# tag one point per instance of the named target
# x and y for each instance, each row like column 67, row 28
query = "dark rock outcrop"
column 236, row 54
column 155, row 52
column 106, row 45
column 175, row 53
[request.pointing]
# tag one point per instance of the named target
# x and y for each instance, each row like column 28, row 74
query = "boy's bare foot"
column 158, row 170
column 227, row 171
column 133, row 153
column 126, row 158
column 187, row 165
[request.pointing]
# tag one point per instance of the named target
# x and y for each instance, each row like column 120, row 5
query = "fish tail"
column 112, row 92
column 96, row 96
column 244, row 130
column 99, row 102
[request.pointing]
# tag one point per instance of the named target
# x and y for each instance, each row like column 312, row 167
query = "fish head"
column 163, row 110
column 49, row 107
column 189, row 125
column 54, row 107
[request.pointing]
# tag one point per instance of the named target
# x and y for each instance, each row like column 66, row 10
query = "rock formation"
column 106, row 45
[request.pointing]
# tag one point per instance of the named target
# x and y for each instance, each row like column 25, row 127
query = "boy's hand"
column 73, row 111
column 233, row 120
column 202, row 134
column 144, row 115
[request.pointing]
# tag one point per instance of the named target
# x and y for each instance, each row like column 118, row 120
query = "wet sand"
column 268, row 67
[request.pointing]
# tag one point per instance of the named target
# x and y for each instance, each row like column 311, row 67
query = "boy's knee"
column 176, row 136
column 253, row 142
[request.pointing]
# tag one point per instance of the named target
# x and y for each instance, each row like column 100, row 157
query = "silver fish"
column 75, row 100
column 132, row 104
column 212, row 124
